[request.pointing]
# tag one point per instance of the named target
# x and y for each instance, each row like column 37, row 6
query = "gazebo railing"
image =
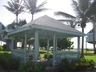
column 23, row 55
column 66, row 54
column 18, row 53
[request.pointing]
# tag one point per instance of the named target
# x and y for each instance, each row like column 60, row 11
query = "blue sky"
column 7, row 17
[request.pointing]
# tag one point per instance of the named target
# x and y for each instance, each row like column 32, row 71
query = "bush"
column 8, row 62
column 1, row 48
column 76, row 65
column 32, row 67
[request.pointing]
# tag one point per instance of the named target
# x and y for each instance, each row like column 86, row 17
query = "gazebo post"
column 36, row 46
column 12, row 45
column 54, row 49
column 47, row 48
column 56, row 44
column 25, row 45
column 78, row 46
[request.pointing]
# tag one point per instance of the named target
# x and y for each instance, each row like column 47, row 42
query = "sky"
column 7, row 17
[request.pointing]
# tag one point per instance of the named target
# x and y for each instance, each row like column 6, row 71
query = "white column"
column 47, row 48
column 25, row 41
column 54, row 41
column 36, row 46
column 12, row 43
column 56, row 44
column 25, row 45
column 78, row 46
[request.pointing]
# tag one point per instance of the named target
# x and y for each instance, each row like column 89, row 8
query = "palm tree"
column 15, row 7
column 91, row 13
column 31, row 6
column 80, row 9
column 69, row 19
column 15, row 25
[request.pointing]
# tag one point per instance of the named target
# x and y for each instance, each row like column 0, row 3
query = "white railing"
column 23, row 55
column 66, row 54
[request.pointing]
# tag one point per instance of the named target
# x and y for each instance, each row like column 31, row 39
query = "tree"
column 70, row 19
column 31, row 6
column 80, row 8
column 63, row 43
column 91, row 13
column 15, row 7
column 15, row 25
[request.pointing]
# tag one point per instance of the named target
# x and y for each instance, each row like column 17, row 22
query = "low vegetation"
column 32, row 67
column 8, row 62
column 76, row 65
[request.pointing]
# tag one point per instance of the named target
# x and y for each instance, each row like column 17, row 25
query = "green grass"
column 5, row 52
column 90, row 56
column 43, row 52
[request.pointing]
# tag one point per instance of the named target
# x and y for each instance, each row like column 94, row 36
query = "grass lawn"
column 43, row 52
column 90, row 56
column 5, row 52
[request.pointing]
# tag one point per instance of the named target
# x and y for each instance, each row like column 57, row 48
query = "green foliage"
column 21, row 67
column 63, row 43
column 8, row 62
column 32, row 67
column 1, row 48
column 43, row 43
column 67, row 66
column 76, row 65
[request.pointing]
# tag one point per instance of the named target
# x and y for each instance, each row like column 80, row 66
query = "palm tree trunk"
column 94, row 37
column 82, row 51
column 32, row 16
column 16, row 18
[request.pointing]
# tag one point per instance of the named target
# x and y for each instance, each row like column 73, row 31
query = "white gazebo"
column 47, row 28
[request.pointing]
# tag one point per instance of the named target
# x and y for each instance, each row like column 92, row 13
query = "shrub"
column 1, row 48
column 76, row 65
column 67, row 65
column 50, row 56
column 9, row 62
column 4, row 46
column 32, row 67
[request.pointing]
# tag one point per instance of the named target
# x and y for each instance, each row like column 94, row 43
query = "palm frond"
column 76, row 9
column 14, row 6
column 42, row 4
column 66, row 15
column 9, row 9
column 92, row 10
column 83, row 5
column 71, row 23
column 40, row 10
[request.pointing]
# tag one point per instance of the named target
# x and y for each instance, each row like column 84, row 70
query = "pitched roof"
column 48, row 22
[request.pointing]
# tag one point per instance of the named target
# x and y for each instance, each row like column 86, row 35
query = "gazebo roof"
column 47, row 26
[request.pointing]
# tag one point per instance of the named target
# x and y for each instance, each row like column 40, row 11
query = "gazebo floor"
column 47, row 62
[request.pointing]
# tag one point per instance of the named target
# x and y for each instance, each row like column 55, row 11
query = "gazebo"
column 47, row 28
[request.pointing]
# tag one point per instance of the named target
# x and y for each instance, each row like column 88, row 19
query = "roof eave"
column 57, row 30
column 18, row 30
